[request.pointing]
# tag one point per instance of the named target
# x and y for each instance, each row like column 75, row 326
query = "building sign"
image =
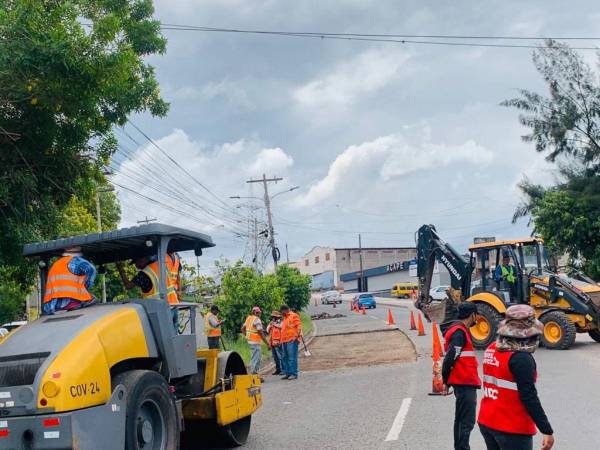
column 398, row 266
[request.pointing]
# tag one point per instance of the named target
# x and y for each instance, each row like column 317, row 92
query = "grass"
column 241, row 346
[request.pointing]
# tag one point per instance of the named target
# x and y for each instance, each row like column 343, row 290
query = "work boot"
column 277, row 372
column 285, row 377
column 293, row 377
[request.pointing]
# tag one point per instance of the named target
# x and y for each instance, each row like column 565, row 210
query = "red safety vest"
column 62, row 283
column 501, row 408
column 465, row 369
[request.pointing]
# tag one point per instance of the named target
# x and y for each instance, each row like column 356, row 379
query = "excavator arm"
column 431, row 247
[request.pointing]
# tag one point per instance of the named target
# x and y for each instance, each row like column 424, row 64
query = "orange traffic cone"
column 413, row 325
column 437, row 343
column 390, row 320
column 363, row 310
column 356, row 307
column 437, row 383
column 420, row 326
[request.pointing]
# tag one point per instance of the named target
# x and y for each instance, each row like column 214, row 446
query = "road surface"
column 386, row 406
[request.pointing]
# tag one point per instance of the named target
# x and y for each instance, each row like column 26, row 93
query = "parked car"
column 331, row 297
column 438, row 293
column 366, row 300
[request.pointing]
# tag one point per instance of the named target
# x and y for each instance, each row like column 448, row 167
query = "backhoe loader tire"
column 595, row 335
column 483, row 333
column 559, row 331
column 151, row 415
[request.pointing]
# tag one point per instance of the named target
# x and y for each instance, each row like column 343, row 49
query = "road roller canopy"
column 508, row 243
column 125, row 243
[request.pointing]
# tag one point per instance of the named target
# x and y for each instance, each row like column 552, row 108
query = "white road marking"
column 373, row 317
column 396, row 428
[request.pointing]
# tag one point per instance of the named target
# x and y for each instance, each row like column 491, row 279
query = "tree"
column 566, row 126
column 69, row 72
column 295, row 286
column 244, row 288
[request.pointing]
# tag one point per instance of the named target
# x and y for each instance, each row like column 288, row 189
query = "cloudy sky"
column 379, row 137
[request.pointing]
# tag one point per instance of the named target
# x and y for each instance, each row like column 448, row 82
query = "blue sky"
column 380, row 137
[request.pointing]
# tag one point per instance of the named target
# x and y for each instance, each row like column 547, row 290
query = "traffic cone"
column 437, row 343
column 437, row 383
column 356, row 307
column 390, row 320
column 413, row 325
column 420, row 326
column 363, row 310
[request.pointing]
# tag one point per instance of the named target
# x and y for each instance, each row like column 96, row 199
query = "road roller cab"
column 119, row 375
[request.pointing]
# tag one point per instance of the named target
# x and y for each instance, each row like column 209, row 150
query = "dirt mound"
column 325, row 315
column 358, row 349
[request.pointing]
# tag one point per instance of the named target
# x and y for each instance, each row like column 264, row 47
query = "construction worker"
column 253, row 330
column 274, row 332
column 212, row 327
column 291, row 334
column 506, row 272
column 510, row 408
column 459, row 370
column 69, row 281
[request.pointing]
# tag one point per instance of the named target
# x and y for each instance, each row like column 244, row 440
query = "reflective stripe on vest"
column 465, row 369
column 209, row 330
column 508, row 274
column 501, row 407
column 152, row 271
column 252, row 334
column 61, row 283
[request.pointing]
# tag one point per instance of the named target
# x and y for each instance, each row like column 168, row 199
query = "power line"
column 390, row 39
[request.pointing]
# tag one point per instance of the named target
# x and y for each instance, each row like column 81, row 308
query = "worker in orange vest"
column 510, row 408
column 274, row 331
column 212, row 327
column 69, row 280
column 460, row 370
column 291, row 334
column 254, row 332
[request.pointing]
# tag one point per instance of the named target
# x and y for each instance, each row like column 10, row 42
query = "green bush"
column 12, row 299
column 296, row 287
column 242, row 289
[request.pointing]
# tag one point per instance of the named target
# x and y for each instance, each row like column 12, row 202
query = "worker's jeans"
column 498, row 440
column 290, row 356
column 464, row 415
column 276, row 351
column 254, row 358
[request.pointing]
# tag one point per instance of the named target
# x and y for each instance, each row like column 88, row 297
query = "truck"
column 565, row 304
column 119, row 375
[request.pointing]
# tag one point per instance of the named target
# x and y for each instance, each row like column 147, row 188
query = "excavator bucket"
column 437, row 311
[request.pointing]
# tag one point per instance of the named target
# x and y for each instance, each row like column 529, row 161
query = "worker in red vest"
column 460, row 370
column 274, row 332
column 510, row 408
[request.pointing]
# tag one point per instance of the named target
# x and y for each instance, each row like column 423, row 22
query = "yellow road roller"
column 120, row 375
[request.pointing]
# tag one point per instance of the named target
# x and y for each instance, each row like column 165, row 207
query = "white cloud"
column 388, row 158
column 271, row 160
column 349, row 80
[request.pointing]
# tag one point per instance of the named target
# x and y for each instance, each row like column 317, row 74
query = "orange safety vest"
column 173, row 267
column 62, row 283
column 151, row 270
column 209, row 330
column 274, row 334
column 291, row 327
column 252, row 334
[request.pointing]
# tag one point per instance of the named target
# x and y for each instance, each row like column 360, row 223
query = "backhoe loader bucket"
column 439, row 311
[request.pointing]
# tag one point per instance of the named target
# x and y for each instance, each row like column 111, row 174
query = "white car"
column 438, row 293
column 331, row 297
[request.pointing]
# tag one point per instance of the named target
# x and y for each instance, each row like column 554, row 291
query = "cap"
column 520, row 322
column 256, row 309
column 466, row 309
column 275, row 314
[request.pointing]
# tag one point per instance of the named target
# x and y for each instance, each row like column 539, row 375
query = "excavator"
column 566, row 305
column 119, row 375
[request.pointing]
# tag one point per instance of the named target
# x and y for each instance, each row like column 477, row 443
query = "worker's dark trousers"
column 464, row 415
column 213, row 342
column 498, row 440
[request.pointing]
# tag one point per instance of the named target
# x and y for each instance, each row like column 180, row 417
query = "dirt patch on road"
column 358, row 349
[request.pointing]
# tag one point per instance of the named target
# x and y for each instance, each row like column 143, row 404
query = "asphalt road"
column 387, row 406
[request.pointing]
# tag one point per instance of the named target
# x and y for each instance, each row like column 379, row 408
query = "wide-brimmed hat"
column 520, row 323
column 275, row 314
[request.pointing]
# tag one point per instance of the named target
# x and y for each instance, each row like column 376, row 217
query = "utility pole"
column 360, row 260
column 264, row 181
column 255, row 244
column 287, row 254
column 146, row 220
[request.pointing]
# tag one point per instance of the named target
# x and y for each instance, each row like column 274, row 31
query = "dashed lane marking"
column 396, row 428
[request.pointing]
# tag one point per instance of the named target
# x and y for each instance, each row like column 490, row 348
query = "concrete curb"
column 270, row 365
